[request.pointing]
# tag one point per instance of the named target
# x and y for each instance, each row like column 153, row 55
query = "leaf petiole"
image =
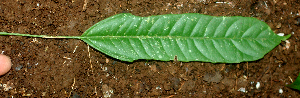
column 42, row 36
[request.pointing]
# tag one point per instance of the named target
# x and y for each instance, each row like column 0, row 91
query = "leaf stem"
column 42, row 36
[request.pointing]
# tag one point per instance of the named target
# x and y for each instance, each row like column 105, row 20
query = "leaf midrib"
column 168, row 37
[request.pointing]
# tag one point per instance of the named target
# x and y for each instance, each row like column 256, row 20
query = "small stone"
column 44, row 93
column 242, row 89
column 288, row 44
column 257, row 85
column 297, row 22
column 280, row 34
column 278, row 25
column 107, row 91
column 213, row 77
column 19, row 68
column 280, row 91
column 284, row 3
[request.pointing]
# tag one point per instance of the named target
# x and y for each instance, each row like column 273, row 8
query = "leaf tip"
column 286, row 37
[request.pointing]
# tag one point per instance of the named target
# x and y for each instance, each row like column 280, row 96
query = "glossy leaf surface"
column 190, row 37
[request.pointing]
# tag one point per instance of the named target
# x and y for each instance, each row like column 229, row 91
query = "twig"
column 262, row 74
column 90, row 58
column 247, row 71
column 84, row 5
column 291, row 79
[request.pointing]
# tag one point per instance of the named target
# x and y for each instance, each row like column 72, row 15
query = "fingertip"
column 5, row 64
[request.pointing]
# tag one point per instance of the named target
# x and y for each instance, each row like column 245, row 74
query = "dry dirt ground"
column 70, row 68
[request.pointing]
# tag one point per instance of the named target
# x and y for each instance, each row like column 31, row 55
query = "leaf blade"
column 295, row 84
column 190, row 37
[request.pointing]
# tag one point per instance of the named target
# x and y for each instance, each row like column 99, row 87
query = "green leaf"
column 295, row 84
column 190, row 37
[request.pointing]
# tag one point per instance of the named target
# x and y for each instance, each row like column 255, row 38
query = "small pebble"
column 257, row 85
column 280, row 91
column 19, row 68
column 280, row 34
column 297, row 22
column 278, row 25
column 242, row 90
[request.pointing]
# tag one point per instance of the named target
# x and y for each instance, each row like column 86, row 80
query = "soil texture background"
column 70, row 68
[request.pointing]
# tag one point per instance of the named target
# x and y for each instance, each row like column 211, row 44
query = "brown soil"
column 70, row 68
